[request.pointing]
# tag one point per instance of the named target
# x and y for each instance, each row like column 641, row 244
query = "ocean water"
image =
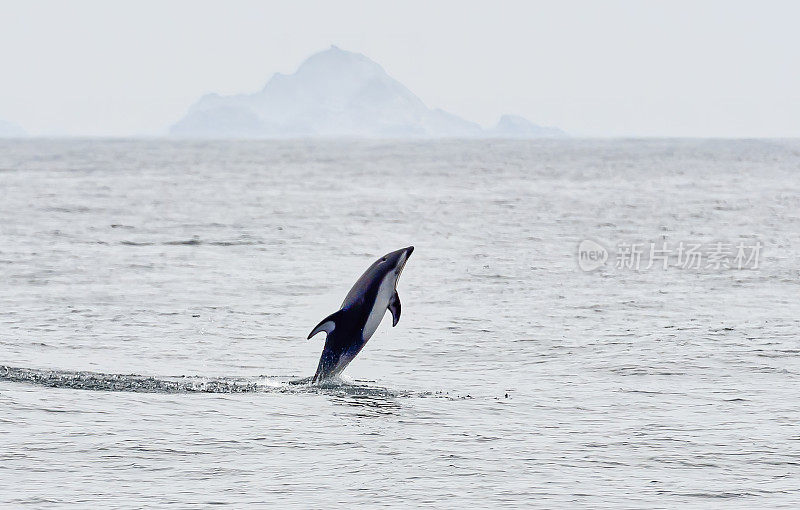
column 156, row 298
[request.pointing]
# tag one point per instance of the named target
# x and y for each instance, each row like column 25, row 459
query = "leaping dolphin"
column 363, row 308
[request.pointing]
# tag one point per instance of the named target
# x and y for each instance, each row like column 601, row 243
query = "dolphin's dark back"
column 366, row 287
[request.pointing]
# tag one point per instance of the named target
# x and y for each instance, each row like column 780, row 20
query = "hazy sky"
column 646, row 68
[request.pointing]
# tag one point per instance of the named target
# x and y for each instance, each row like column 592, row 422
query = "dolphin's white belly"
column 385, row 293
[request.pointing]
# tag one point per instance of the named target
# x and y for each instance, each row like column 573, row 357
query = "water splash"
column 125, row 382
column 134, row 383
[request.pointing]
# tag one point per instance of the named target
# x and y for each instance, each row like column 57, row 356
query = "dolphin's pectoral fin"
column 328, row 324
column 394, row 307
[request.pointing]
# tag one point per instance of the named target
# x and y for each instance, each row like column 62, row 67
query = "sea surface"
column 156, row 296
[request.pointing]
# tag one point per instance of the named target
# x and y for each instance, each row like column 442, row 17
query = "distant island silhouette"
column 338, row 93
column 11, row 130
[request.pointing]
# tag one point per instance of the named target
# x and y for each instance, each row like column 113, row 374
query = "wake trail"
column 125, row 382
column 134, row 383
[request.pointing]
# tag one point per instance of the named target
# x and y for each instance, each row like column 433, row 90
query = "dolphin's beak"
column 402, row 262
column 407, row 253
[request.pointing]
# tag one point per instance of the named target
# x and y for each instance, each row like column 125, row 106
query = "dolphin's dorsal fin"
column 394, row 307
column 328, row 324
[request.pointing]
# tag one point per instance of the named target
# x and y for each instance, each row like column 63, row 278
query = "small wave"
column 194, row 242
column 134, row 383
column 134, row 243
column 185, row 242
